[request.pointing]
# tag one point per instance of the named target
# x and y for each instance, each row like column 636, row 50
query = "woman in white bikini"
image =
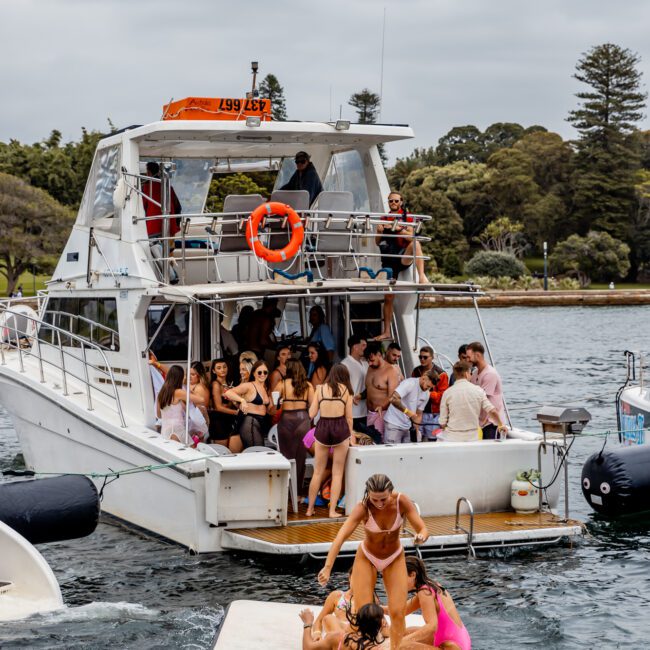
column 382, row 512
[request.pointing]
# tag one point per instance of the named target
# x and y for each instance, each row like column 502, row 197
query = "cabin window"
column 191, row 181
column 93, row 319
column 346, row 174
column 170, row 343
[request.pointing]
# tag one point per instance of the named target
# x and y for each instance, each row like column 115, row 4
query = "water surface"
column 123, row 590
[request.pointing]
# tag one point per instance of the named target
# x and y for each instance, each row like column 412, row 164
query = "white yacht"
column 75, row 377
column 633, row 403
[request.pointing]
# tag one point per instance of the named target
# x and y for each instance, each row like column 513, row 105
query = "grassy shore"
column 27, row 280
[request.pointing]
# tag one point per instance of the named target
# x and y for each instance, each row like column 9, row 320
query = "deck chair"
column 232, row 238
column 332, row 239
column 279, row 236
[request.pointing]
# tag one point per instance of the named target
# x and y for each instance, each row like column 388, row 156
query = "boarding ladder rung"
column 471, row 553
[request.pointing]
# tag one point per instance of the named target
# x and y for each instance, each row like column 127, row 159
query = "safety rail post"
column 62, row 356
column 20, row 350
column 470, row 532
column 541, row 445
column 40, row 355
column 87, row 378
column 487, row 347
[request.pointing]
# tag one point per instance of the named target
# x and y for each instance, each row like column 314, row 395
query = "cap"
column 302, row 154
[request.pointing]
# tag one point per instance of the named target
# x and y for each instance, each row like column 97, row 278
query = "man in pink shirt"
column 489, row 380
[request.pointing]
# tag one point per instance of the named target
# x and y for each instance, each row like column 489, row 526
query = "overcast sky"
column 73, row 63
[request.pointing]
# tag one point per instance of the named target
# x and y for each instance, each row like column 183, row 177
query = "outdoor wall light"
column 342, row 125
column 253, row 120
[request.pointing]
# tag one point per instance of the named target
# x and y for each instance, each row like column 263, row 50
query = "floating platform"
column 252, row 625
column 314, row 535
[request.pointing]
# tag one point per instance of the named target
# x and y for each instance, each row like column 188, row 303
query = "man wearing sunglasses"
column 305, row 177
column 431, row 414
column 397, row 246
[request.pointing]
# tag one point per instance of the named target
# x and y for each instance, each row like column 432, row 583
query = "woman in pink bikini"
column 382, row 512
column 443, row 628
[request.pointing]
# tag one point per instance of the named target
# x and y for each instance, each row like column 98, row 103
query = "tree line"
column 503, row 191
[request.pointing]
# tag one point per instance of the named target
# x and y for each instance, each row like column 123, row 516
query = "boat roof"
column 229, row 291
column 235, row 138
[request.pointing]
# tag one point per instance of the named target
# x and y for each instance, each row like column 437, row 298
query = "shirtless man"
column 393, row 356
column 381, row 381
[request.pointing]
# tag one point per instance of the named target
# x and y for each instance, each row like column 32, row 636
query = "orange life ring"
column 279, row 210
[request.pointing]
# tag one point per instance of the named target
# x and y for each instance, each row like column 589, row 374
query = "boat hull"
column 635, row 415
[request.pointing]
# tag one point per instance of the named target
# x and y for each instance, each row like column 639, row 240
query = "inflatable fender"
column 617, row 481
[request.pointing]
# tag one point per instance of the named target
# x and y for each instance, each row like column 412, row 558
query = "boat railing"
column 211, row 237
column 15, row 333
column 75, row 319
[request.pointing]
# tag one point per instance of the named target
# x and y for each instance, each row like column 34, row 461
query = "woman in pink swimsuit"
column 443, row 628
column 382, row 512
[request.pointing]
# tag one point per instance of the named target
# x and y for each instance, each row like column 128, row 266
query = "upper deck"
column 196, row 246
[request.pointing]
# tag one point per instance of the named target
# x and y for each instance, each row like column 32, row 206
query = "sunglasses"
column 301, row 161
column 261, row 372
column 424, row 356
column 393, row 200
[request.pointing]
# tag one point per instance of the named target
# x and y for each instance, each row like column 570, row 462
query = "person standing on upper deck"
column 358, row 368
column 397, row 248
column 151, row 199
column 489, row 380
column 305, row 177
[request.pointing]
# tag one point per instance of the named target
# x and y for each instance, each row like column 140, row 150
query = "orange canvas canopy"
column 217, row 108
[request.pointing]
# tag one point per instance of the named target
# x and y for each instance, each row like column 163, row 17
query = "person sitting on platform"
column 305, row 177
column 397, row 252
column 443, row 626
column 461, row 406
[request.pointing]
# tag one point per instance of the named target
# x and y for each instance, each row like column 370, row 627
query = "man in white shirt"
column 406, row 407
column 358, row 368
column 461, row 407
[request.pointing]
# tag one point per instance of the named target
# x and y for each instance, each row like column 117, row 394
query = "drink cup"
column 275, row 395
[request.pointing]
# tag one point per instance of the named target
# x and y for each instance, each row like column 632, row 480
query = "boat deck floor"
column 314, row 535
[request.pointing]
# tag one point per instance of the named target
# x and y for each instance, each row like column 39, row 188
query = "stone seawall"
column 537, row 298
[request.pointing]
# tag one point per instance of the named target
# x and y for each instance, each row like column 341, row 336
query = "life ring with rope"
column 274, row 209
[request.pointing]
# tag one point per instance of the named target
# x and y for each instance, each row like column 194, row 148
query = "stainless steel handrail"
column 470, row 532
column 83, row 344
column 114, row 333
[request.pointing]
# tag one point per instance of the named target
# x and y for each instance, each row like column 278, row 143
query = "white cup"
column 275, row 395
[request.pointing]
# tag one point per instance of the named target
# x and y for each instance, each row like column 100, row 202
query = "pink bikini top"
column 372, row 527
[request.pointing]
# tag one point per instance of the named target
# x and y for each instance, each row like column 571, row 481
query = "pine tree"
column 270, row 88
column 367, row 105
column 607, row 151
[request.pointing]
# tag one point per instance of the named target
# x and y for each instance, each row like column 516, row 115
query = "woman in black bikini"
column 296, row 396
column 224, row 412
column 253, row 399
column 333, row 401
column 282, row 355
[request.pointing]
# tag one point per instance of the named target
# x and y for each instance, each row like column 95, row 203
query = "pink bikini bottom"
column 380, row 563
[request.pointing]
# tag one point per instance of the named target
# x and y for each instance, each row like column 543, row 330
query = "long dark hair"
column 213, row 374
column 199, row 369
column 173, row 381
column 416, row 565
column 377, row 483
column 367, row 622
column 296, row 372
column 338, row 375
column 257, row 365
column 322, row 358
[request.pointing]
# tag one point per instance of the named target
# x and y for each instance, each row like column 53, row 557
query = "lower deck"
column 314, row 535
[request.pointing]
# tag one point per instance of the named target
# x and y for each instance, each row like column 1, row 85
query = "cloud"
column 74, row 63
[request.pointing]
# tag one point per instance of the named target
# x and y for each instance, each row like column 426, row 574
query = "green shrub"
column 495, row 265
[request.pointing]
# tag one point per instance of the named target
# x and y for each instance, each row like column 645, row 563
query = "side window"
column 171, row 342
column 97, row 202
column 93, row 319
column 346, row 174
